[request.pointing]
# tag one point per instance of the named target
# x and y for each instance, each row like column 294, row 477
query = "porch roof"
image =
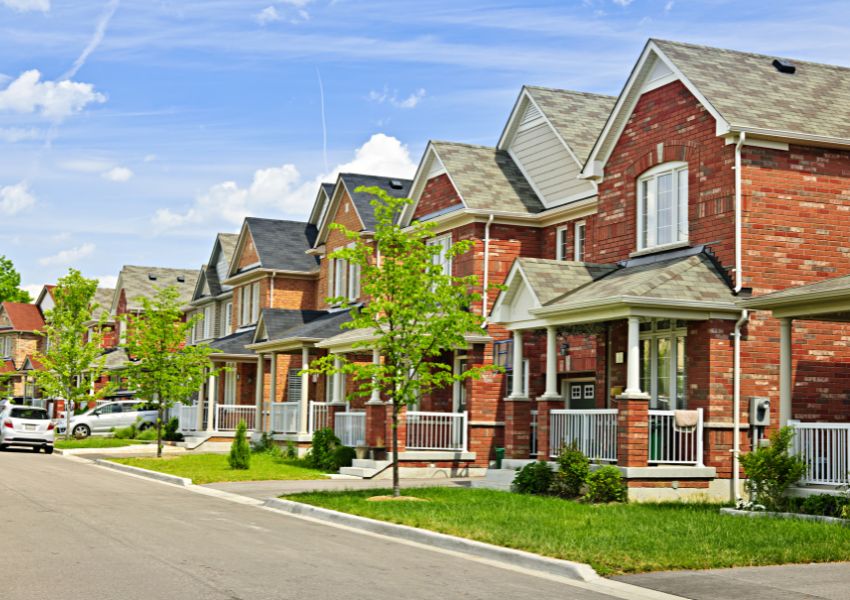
column 825, row 300
column 234, row 344
column 314, row 326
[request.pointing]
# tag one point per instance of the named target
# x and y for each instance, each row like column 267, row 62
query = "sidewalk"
column 827, row 581
column 262, row 490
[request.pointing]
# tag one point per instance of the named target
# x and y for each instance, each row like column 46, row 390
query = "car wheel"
column 48, row 449
column 35, row 449
column 3, row 447
column 81, row 431
column 145, row 426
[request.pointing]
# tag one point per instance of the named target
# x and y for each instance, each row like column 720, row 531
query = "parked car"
column 109, row 416
column 26, row 426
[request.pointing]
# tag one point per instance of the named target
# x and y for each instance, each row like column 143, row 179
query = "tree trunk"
column 396, row 484
column 159, row 415
column 67, row 419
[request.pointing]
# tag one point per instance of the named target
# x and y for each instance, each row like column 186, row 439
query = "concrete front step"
column 365, row 468
column 496, row 479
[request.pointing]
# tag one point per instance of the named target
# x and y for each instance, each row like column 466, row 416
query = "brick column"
column 402, row 427
column 332, row 410
column 544, row 405
column 632, row 431
column 376, row 425
column 517, row 427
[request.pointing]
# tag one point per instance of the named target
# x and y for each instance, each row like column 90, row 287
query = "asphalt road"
column 71, row 530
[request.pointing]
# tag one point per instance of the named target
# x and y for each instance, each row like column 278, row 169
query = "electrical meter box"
column 760, row 412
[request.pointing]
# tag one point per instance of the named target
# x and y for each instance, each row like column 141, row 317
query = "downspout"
column 485, row 293
column 739, row 278
column 736, row 405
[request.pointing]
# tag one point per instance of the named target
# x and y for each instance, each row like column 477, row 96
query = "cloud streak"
column 96, row 39
column 27, row 5
column 68, row 257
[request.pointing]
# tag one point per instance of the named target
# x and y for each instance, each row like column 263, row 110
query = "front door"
column 580, row 395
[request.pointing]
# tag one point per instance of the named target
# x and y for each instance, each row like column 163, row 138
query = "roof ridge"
column 466, row 145
column 576, row 92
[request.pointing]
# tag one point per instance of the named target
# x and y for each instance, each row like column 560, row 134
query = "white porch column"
column 273, row 378
column 212, row 392
column 551, row 363
column 785, row 378
column 304, row 406
column 518, row 375
column 633, row 359
column 337, row 397
column 259, row 392
column 199, row 416
column 375, row 398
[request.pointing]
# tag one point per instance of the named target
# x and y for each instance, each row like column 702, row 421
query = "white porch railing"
column 825, row 448
column 670, row 445
column 350, row 428
column 593, row 431
column 318, row 416
column 532, row 438
column 187, row 417
column 436, row 431
column 286, row 417
column 227, row 416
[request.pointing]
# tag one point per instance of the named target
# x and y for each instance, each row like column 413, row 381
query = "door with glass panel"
column 579, row 395
column 662, row 363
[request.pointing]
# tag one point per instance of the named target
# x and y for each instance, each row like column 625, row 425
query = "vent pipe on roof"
column 784, row 66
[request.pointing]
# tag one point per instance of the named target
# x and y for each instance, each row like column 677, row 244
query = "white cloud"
column 296, row 3
column 391, row 97
column 15, row 198
column 622, row 2
column 96, row 39
column 69, row 256
column 118, row 174
column 268, row 15
column 281, row 191
column 18, row 134
column 34, row 289
column 27, row 5
column 86, row 165
column 107, row 281
column 53, row 100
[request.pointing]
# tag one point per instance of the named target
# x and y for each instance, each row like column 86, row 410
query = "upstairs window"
column 227, row 318
column 442, row 258
column 7, row 346
column 662, row 213
column 208, row 322
column 249, row 299
column 562, row 244
column 578, row 241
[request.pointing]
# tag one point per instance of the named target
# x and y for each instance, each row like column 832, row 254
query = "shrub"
column 533, row 478
column 148, row 435
column 343, row 457
column 606, row 485
column 573, row 471
column 264, row 444
column 825, row 505
column 321, row 454
column 240, row 450
column 170, row 431
column 771, row 470
column 291, row 451
column 126, row 433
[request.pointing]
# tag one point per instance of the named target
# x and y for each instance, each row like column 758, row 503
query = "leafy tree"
column 416, row 310
column 10, row 283
column 162, row 368
column 73, row 357
column 7, row 386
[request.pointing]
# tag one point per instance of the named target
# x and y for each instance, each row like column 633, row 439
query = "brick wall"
column 346, row 215
column 439, row 194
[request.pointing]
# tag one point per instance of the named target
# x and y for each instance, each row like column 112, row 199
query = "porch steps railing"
column 825, row 448
column 227, row 416
column 671, row 445
column 350, row 428
column 593, row 431
column 532, row 438
column 318, row 417
column 436, row 431
column 285, row 417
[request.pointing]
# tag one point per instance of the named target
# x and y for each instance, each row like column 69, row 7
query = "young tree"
column 162, row 368
column 10, row 283
column 73, row 357
column 416, row 310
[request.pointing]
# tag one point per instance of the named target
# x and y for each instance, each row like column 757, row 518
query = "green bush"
column 240, row 450
column 170, row 431
column 322, row 452
column 825, row 505
column 573, row 471
column 533, row 478
column 343, row 457
column 291, row 452
column 606, row 485
column 126, row 433
column 265, row 444
column 148, row 435
column 771, row 470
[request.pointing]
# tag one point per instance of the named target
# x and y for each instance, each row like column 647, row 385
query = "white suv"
column 109, row 416
column 26, row 426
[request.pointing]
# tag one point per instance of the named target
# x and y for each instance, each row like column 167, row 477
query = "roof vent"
column 784, row 66
column 151, row 276
column 396, row 184
column 181, row 278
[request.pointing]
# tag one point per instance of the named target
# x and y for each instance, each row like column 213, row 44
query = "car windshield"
column 35, row 414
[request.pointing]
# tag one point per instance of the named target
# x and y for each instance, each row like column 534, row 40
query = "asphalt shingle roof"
column 103, row 299
column 227, row 241
column 487, row 178
column 551, row 279
column 320, row 328
column 363, row 201
column 144, row 281
column 578, row 117
column 283, row 245
column 235, row 342
column 749, row 92
column 832, row 286
column 278, row 321
column 23, row 317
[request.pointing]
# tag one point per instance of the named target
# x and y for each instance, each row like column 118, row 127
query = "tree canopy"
column 10, row 283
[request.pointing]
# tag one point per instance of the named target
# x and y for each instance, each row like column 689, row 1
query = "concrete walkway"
column 784, row 582
column 261, row 490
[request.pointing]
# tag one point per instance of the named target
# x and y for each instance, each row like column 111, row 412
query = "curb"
column 784, row 515
column 173, row 479
column 517, row 558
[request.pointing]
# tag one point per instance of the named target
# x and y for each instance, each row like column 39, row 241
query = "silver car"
column 109, row 416
column 26, row 426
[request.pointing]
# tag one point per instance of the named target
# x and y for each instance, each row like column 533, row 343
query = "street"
column 79, row 532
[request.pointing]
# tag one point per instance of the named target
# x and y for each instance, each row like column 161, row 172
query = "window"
column 562, row 244
column 7, row 346
column 503, row 356
column 442, row 258
column 340, row 267
column 663, row 205
column 578, row 237
column 226, row 318
column 293, row 385
column 255, row 302
column 662, row 363
column 331, row 268
column 208, row 322
column 353, row 282
column 249, row 299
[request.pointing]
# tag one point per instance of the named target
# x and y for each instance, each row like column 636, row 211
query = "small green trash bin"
column 500, row 455
column 655, row 441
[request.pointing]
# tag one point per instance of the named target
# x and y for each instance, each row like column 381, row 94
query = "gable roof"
column 233, row 344
column 23, row 317
column 136, row 281
column 396, row 187
column 551, row 279
column 209, row 279
column 320, row 204
column 274, row 322
column 281, row 245
column 103, row 298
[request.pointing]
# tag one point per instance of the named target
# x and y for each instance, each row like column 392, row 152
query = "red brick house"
column 20, row 325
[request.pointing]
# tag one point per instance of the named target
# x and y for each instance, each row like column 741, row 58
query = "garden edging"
column 553, row 566
column 173, row 479
column 784, row 515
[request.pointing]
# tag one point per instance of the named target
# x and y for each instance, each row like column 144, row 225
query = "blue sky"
column 133, row 130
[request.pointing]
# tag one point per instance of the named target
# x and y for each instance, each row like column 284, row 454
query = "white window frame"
column 230, row 384
column 244, row 304
column 255, row 302
column 208, row 321
column 676, row 334
column 340, row 277
column 353, row 282
column 445, row 243
column 331, row 269
column 226, row 318
column 647, row 207
column 561, row 242
column 7, row 346
column 579, row 236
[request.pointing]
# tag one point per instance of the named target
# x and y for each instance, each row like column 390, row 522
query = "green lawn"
column 614, row 538
column 212, row 468
column 94, row 442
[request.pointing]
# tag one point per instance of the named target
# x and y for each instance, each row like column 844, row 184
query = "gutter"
column 485, row 295
column 736, row 405
column 739, row 278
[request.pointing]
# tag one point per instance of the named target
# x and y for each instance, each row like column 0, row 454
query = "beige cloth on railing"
column 686, row 419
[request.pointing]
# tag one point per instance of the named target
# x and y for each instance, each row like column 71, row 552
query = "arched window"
column 662, row 211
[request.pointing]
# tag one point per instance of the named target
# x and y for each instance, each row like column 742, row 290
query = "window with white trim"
column 442, row 258
column 662, row 363
column 255, row 302
column 503, row 355
column 353, row 282
column 226, row 318
column 662, row 210
column 208, row 321
column 562, row 243
column 331, row 269
column 340, row 268
column 579, row 231
column 7, row 346
column 244, row 304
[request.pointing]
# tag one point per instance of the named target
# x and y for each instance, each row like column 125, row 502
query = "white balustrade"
column 593, row 431
column 350, row 428
column 187, row 417
column 286, row 417
column 532, row 441
column 228, row 416
column 825, row 448
column 318, row 416
column 436, row 431
column 672, row 445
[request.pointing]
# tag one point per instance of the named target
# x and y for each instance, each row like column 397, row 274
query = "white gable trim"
column 318, row 204
column 515, row 282
column 240, row 245
column 330, row 212
column 595, row 166
column 420, row 181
